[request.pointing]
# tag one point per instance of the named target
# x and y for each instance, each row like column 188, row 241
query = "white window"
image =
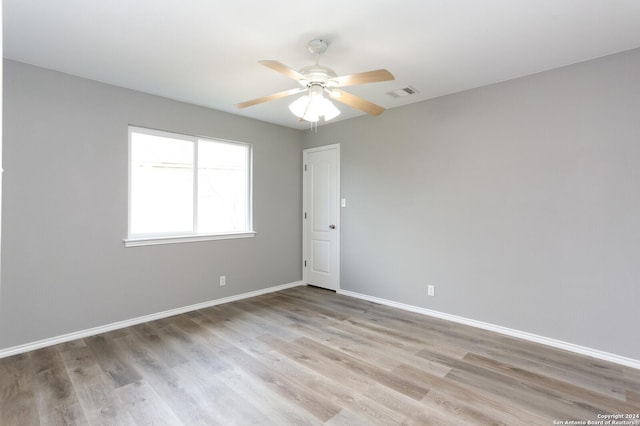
column 184, row 188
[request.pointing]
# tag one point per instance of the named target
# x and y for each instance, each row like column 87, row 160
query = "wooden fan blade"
column 357, row 102
column 283, row 69
column 363, row 78
column 270, row 97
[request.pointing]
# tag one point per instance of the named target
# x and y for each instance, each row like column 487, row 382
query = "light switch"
column 343, row 202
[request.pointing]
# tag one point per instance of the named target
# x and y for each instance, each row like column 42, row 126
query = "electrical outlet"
column 431, row 290
column 223, row 280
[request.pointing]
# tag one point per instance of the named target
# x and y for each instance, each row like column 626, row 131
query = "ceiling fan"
column 318, row 80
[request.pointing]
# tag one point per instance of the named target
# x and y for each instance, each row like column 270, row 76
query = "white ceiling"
column 205, row 51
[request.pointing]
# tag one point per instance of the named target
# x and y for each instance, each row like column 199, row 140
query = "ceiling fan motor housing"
column 317, row 74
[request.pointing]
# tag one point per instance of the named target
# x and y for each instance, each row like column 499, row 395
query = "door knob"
column 332, row 227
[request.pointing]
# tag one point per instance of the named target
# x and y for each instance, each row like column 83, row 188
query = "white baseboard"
column 139, row 320
column 595, row 353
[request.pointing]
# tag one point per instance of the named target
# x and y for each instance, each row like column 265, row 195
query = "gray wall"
column 64, row 265
column 520, row 201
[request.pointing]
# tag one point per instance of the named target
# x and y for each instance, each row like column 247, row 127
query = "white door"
column 321, row 219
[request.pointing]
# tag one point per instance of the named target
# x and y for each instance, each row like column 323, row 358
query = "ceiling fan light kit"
column 317, row 80
column 313, row 106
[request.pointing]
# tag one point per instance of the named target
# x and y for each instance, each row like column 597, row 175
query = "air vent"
column 405, row 91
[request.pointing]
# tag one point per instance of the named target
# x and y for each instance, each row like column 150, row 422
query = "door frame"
column 305, row 153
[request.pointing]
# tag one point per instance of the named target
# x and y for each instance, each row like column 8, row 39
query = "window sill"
column 151, row 241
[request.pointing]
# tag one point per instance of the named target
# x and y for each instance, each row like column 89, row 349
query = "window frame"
column 193, row 236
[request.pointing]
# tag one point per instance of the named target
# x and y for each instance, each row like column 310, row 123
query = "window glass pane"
column 161, row 184
column 223, row 187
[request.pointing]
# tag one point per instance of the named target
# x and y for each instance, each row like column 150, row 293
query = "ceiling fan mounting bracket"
column 318, row 46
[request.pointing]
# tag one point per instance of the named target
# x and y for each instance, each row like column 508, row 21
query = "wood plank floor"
column 307, row 356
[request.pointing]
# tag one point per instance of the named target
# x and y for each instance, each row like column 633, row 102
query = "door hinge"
column 305, row 263
column 305, row 215
column 305, row 167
